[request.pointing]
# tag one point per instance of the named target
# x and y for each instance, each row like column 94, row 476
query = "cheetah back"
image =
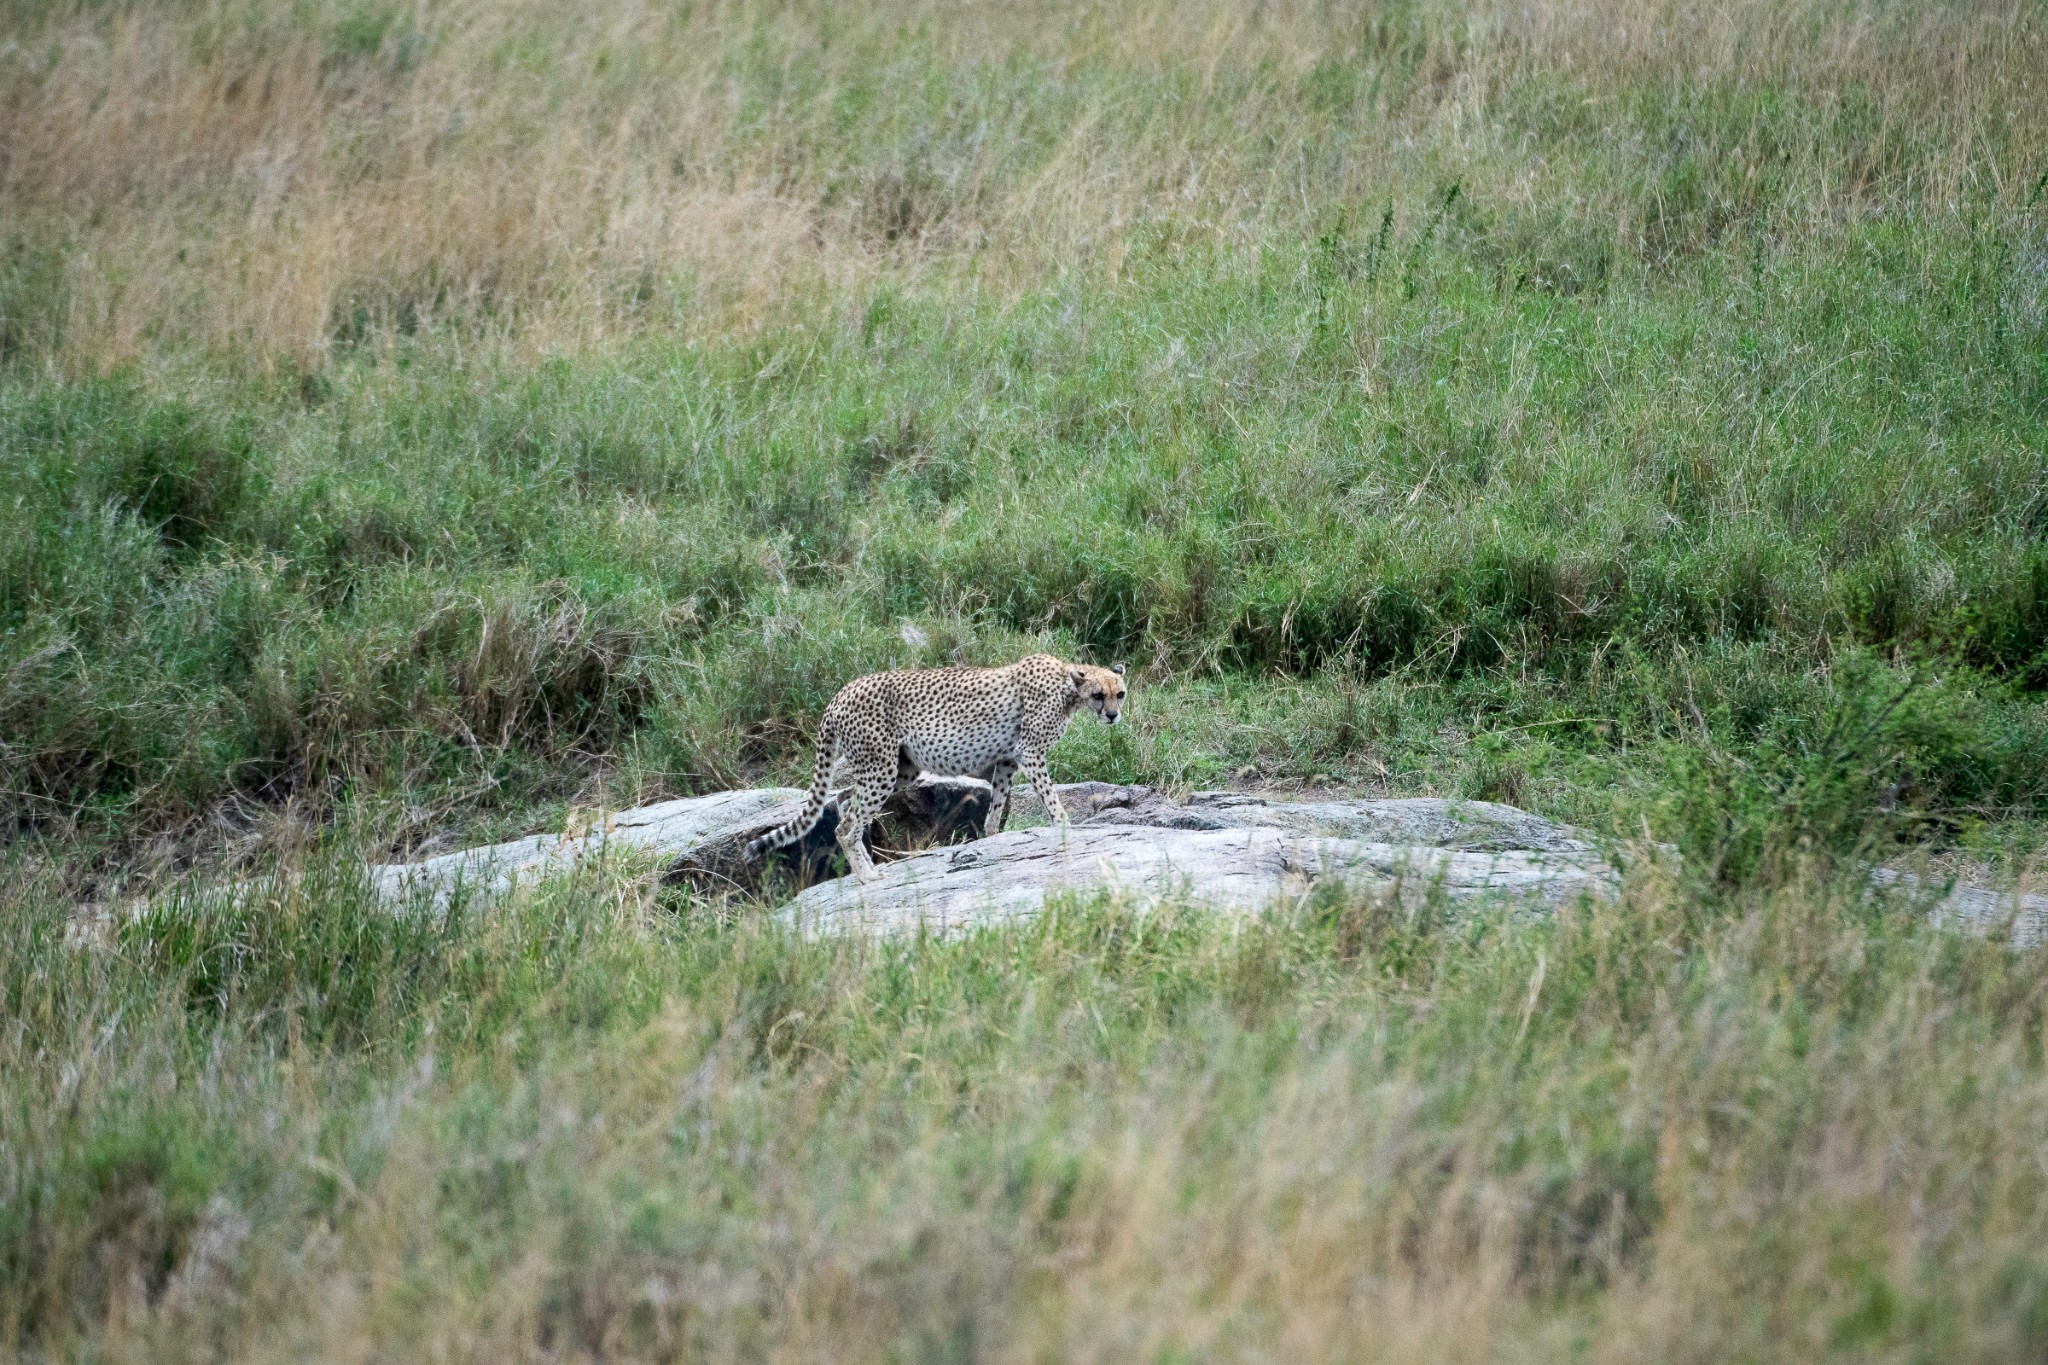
column 948, row 721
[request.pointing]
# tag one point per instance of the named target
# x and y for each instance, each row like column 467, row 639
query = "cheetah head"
column 1100, row 690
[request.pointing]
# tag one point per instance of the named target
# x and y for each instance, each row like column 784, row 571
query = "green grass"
column 1448, row 500
column 416, row 422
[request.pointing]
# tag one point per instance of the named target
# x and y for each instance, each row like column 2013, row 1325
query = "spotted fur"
column 882, row 730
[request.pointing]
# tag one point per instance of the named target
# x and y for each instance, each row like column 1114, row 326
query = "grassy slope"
column 415, row 421
column 1455, row 502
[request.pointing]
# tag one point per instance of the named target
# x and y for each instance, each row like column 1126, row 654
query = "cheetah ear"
column 1117, row 669
column 1076, row 676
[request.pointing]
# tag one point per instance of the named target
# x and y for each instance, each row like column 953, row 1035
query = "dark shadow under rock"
column 925, row 814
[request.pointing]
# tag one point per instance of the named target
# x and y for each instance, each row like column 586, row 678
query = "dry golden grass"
column 268, row 180
column 1793, row 1128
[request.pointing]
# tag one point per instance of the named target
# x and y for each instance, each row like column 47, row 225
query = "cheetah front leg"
column 1033, row 766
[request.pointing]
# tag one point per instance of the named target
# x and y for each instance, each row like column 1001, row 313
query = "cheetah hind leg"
column 998, row 774
column 858, row 807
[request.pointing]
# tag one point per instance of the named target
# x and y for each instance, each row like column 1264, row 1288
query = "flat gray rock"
column 1471, row 826
column 1975, row 909
column 1246, row 868
column 666, row 832
column 1228, row 849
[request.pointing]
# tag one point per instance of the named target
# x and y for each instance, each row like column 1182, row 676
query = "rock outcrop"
column 1469, row 826
column 665, row 831
column 1248, row 868
column 697, row 840
column 1231, row 850
column 2021, row 917
column 1223, row 849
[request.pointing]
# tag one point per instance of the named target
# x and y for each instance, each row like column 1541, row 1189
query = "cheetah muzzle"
column 882, row 730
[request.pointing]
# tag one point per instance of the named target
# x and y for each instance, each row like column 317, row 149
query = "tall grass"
column 1794, row 1122
column 281, row 183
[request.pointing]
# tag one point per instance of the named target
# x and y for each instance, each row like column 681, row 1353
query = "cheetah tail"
column 814, row 802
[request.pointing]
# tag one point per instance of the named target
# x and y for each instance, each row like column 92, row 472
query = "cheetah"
column 886, row 728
